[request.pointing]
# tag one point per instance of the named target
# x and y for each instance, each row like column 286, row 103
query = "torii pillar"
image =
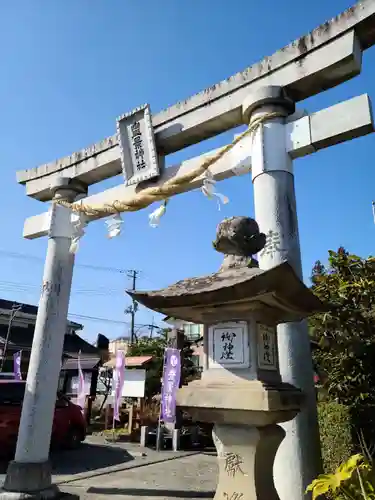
column 275, row 212
column 29, row 474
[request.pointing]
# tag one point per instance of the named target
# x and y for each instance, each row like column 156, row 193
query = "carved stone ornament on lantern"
column 241, row 390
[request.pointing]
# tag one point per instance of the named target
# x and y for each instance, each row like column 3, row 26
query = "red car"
column 69, row 426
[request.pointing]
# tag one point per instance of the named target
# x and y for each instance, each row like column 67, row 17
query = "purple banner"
column 17, row 365
column 118, row 379
column 81, row 394
column 171, row 382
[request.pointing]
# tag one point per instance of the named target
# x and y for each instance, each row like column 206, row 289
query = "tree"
column 346, row 331
column 155, row 347
column 151, row 347
column 105, row 377
column 189, row 369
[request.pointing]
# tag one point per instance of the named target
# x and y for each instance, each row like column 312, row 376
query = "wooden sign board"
column 134, row 383
column 136, row 139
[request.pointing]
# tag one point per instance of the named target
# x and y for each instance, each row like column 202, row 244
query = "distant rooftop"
column 7, row 305
column 130, row 361
column 21, row 338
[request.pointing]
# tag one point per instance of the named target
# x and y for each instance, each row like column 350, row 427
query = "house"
column 138, row 363
column 193, row 333
column 17, row 323
column 120, row 344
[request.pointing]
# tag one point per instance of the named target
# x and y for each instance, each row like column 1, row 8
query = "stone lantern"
column 240, row 391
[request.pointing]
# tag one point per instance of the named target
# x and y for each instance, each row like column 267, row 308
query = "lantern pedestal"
column 246, row 455
column 242, row 393
column 246, row 434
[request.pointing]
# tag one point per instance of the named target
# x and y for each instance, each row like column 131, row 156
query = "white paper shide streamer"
column 208, row 189
column 114, row 224
column 156, row 215
column 79, row 223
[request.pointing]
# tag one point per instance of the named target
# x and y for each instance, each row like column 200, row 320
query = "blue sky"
column 68, row 68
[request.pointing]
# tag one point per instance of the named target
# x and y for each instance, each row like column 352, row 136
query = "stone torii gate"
column 267, row 92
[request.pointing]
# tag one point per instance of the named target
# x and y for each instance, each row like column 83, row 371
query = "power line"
column 100, row 291
column 24, row 287
column 18, row 255
column 117, row 270
column 96, row 318
column 13, row 286
column 90, row 318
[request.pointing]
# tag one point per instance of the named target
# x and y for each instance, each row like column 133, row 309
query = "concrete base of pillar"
column 29, row 481
column 144, row 436
column 246, row 455
column 160, row 439
column 176, row 438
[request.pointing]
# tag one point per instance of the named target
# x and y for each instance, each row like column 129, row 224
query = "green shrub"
column 335, row 434
column 353, row 480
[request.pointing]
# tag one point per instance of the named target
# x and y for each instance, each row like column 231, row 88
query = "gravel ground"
column 99, row 471
column 188, row 477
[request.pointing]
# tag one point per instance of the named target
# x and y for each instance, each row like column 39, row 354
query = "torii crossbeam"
column 305, row 135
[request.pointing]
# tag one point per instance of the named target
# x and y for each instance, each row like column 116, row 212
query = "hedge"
column 335, row 434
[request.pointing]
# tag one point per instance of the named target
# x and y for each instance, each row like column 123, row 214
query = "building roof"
column 8, row 305
column 22, row 338
column 25, row 308
column 130, row 361
column 74, row 343
column 86, row 363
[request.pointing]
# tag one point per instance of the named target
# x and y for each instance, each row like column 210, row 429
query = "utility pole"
column 133, row 275
column 15, row 309
column 152, row 327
